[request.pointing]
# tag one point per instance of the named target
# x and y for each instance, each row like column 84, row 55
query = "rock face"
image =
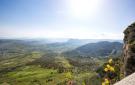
column 129, row 50
column 129, row 80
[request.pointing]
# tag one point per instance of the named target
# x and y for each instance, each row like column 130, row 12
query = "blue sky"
column 82, row 19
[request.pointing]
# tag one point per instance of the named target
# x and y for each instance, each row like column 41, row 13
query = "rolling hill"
column 98, row 49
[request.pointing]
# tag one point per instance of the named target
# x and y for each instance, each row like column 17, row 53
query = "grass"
column 31, row 72
column 64, row 62
column 33, row 75
column 21, row 60
column 82, row 76
column 36, row 75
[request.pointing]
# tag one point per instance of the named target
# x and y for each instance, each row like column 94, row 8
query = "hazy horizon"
column 76, row 19
column 43, row 38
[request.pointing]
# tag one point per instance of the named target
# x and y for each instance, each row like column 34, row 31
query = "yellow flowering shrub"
column 111, row 70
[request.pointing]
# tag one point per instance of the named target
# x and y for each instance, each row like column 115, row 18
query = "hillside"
column 33, row 62
column 14, row 47
column 28, row 62
column 99, row 49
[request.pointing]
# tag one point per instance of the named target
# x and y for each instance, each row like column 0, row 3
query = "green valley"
column 24, row 62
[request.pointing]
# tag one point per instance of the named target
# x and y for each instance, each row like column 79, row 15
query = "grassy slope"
column 35, row 75
column 22, row 60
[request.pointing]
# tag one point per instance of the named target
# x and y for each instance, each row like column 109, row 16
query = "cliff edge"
column 129, row 50
column 129, row 56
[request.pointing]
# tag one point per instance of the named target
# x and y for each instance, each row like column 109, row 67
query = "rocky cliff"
column 129, row 50
column 129, row 56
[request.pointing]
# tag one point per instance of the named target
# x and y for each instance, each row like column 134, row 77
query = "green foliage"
column 68, row 75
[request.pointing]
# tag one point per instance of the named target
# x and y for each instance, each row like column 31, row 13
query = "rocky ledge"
column 129, row 80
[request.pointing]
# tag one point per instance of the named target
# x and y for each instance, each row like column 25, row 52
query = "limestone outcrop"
column 129, row 80
column 129, row 50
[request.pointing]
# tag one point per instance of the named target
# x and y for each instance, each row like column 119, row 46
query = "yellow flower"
column 106, row 69
column 108, row 66
column 112, row 69
column 110, row 61
column 106, row 81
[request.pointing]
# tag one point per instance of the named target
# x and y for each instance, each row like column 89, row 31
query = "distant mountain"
column 68, row 47
column 85, row 41
column 98, row 49
column 14, row 47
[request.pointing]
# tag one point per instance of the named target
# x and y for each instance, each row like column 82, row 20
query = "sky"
column 81, row 19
